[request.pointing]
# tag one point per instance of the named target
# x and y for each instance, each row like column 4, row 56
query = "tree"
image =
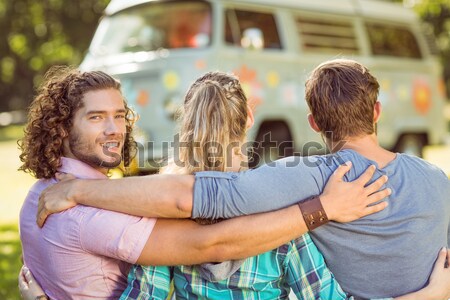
column 36, row 34
column 436, row 13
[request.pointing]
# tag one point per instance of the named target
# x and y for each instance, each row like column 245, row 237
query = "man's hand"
column 55, row 198
column 349, row 201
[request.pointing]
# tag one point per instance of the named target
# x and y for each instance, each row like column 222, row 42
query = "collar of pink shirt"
column 79, row 169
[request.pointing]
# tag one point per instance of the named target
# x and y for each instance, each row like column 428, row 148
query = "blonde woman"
column 214, row 123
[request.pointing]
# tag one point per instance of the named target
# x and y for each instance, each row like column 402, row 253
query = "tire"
column 411, row 144
column 273, row 141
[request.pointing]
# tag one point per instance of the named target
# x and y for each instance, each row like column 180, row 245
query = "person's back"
column 215, row 114
column 386, row 254
column 392, row 252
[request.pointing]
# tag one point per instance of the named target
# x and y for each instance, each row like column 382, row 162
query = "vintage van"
column 157, row 48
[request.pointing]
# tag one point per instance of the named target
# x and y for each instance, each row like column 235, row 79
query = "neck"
column 238, row 161
column 100, row 169
column 366, row 146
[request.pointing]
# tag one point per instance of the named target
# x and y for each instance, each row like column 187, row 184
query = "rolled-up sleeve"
column 269, row 187
column 114, row 234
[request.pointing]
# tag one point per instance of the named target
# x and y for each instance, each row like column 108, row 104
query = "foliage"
column 436, row 13
column 36, row 34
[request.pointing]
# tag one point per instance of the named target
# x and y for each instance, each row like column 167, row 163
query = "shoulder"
column 41, row 185
column 421, row 167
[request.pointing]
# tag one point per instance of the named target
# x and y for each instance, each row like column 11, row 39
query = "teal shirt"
column 297, row 265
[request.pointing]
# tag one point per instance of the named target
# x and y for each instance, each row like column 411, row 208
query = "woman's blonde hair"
column 213, row 124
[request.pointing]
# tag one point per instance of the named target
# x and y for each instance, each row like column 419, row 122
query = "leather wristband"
column 313, row 212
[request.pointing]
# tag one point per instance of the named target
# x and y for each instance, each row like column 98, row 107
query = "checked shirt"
column 297, row 265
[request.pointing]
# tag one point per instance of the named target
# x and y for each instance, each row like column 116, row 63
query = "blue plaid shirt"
column 297, row 265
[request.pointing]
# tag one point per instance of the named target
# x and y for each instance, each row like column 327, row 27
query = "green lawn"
column 10, row 262
column 14, row 186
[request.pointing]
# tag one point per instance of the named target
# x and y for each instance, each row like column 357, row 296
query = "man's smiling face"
column 98, row 131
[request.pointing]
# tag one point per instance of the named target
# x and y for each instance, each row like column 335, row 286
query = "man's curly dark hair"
column 51, row 114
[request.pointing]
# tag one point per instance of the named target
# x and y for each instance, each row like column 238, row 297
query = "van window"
column 238, row 21
column 171, row 24
column 320, row 35
column 390, row 40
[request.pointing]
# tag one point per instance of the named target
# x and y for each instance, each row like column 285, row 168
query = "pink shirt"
column 84, row 252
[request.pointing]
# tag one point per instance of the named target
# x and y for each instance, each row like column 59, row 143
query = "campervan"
column 157, row 48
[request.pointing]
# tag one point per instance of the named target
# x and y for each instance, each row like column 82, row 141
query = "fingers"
column 341, row 171
column 377, row 196
column 375, row 208
column 24, row 278
column 42, row 214
column 23, row 284
column 447, row 263
column 42, row 217
column 64, row 176
column 366, row 176
column 442, row 259
column 28, row 276
column 376, row 185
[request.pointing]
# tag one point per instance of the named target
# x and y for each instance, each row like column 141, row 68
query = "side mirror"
column 252, row 38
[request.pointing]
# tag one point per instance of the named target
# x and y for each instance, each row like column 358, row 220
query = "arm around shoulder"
column 163, row 196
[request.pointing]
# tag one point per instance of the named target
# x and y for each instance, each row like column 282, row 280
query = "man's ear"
column 377, row 111
column 250, row 117
column 313, row 124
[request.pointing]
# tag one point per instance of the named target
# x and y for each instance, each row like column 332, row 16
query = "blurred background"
column 36, row 35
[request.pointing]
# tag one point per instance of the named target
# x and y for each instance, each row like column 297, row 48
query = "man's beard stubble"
column 85, row 153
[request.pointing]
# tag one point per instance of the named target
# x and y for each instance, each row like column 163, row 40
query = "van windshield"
column 155, row 25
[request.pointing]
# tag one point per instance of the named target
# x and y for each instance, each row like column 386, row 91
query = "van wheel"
column 411, row 144
column 273, row 141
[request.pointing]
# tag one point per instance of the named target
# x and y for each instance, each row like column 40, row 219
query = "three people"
column 337, row 87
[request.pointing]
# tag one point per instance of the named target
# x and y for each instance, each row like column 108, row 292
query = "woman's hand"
column 439, row 284
column 28, row 287
column 55, row 198
column 438, row 287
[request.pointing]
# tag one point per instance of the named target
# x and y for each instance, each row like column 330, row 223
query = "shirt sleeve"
column 269, row 187
column 448, row 236
column 307, row 273
column 148, row 283
column 114, row 235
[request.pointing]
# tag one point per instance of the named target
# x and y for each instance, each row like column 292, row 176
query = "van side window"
column 240, row 22
column 395, row 41
column 325, row 35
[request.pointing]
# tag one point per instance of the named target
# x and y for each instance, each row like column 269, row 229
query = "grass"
column 10, row 263
column 9, row 133
column 14, row 186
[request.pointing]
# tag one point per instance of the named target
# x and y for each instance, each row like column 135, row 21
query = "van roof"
column 368, row 8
